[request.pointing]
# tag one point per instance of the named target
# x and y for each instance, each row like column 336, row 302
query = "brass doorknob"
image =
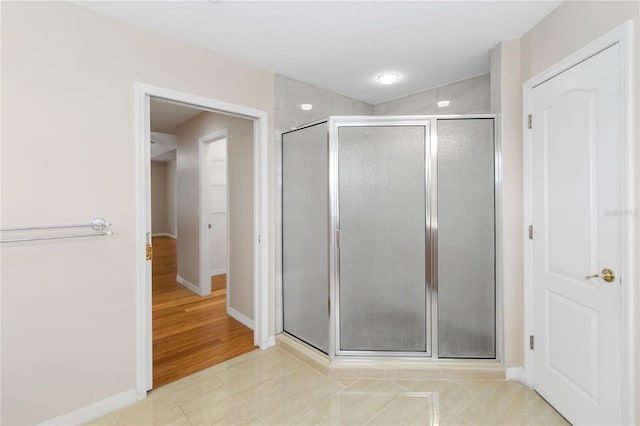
column 606, row 274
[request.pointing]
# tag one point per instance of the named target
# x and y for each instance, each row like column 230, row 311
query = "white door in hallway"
column 217, row 206
column 577, row 186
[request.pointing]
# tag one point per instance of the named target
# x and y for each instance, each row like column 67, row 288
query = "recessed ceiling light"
column 388, row 78
column 306, row 107
column 443, row 104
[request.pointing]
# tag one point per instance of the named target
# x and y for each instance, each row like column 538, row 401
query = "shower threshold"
column 392, row 368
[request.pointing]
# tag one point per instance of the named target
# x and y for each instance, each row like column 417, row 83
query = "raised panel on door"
column 382, row 238
column 305, row 230
column 466, row 239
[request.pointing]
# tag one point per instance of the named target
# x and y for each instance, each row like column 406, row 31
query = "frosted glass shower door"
column 382, row 286
column 305, row 229
column 466, row 239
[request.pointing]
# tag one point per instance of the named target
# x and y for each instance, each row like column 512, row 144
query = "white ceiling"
column 163, row 146
column 167, row 116
column 342, row 45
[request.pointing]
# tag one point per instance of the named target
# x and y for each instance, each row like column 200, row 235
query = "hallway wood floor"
column 190, row 333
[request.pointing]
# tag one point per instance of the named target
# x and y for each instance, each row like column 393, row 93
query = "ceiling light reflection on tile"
column 306, row 107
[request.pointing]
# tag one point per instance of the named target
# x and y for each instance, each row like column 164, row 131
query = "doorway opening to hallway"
column 202, row 204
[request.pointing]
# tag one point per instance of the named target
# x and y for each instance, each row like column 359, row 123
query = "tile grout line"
column 185, row 414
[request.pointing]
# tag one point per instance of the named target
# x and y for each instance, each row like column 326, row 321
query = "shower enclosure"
column 388, row 236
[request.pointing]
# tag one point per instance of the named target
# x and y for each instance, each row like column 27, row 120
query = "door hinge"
column 530, row 121
column 329, row 306
column 531, row 342
column 259, row 239
column 531, row 232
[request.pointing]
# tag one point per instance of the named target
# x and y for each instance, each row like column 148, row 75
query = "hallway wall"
column 68, row 155
column 172, row 207
column 163, row 198
column 240, row 208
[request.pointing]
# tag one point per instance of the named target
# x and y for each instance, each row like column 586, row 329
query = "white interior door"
column 577, row 176
column 217, row 207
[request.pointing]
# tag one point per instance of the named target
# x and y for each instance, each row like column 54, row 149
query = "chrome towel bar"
column 97, row 224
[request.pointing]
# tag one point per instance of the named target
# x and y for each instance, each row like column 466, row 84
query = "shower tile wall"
column 290, row 94
column 469, row 96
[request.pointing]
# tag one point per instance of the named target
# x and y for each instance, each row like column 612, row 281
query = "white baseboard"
column 164, row 234
column 194, row 288
column 514, row 374
column 245, row 320
column 95, row 410
column 219, row 271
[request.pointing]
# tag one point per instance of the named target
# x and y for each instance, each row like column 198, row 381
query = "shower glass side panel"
column 305, row 230
column 466, row 238
column 381, row 237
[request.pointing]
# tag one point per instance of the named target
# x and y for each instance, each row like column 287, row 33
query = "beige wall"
column 158, row 197
column 187, row 193
column 171, row 206
column 568, row 28
column 240, row 213
column 163, row 197
column 506, row 101
column 68, row 154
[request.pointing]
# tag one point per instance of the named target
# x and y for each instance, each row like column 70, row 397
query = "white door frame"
column 623, row 35
column 262, row 237
column 203, row 145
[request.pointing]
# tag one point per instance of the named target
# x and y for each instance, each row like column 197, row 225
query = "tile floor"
column 273, row 387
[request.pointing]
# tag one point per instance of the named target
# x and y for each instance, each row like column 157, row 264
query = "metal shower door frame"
column 431, row 230
column 497, row 173
column 281, row 328
column 335, row 122
column 433, row 261
column 498, row 235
